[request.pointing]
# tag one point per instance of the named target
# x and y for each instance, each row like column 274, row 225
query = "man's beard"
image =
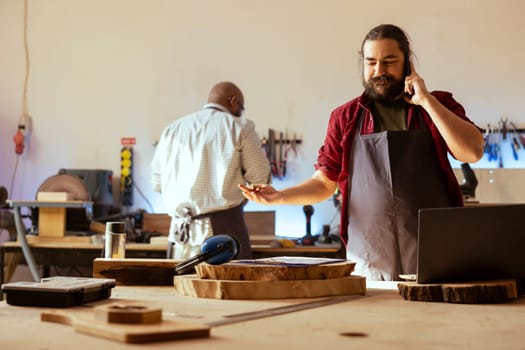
column 389, row 92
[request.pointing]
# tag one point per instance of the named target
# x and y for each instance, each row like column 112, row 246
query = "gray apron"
column 392, row 175
column 230, row 222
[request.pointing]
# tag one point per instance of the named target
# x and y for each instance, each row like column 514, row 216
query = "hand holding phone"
column 407, row 73
column 408, row 66
column 415, row 88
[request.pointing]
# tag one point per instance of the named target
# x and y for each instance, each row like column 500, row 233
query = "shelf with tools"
column 504, row 147
column 503, row 142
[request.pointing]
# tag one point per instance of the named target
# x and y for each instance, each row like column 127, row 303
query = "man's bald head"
column 228, row 95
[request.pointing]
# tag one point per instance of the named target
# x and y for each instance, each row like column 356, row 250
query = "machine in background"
column 93, row 185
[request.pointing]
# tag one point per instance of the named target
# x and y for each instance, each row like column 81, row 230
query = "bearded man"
column 387, row 151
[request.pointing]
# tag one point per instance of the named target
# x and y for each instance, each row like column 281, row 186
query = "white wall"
column 105, row 69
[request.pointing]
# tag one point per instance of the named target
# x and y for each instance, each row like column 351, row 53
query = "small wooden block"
column 192, row 285
column 259, row 272
column 146, row 272
column 51, row 222
column 128, row 313
column 468, row 293
column 54, row 196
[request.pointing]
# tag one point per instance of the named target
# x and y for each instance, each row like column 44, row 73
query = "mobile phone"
column 407, row 66
column 408, row 71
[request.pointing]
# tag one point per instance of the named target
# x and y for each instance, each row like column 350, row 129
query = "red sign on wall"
column 127, row 141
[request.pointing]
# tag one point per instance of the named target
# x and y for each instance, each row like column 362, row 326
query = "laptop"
column 471, row 243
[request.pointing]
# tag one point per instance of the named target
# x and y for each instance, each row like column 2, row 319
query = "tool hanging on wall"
column 290, row 149
column 521, row 138
column 281, row 156
column 499, row 139
column 496, row 139
column 277, row 151
column 515, row 141
column 503, row 127
column 491, row 145
column 273, row 161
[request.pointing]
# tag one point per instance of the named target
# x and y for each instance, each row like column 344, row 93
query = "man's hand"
column 415, row 89
column 463, row 139
column 262, row 194
column 314, row 190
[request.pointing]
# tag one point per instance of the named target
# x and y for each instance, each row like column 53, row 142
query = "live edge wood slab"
column 238, row 280
column 194, row 286
column 477, row 292
column 261, row 272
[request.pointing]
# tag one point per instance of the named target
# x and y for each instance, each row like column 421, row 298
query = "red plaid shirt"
column 334, row 155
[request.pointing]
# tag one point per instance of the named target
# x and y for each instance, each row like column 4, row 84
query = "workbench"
column 61, row 252
column 73, row 254
column 379, row 320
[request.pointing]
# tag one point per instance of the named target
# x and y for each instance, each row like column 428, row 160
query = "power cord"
column 14, row 175
column 25, row 123
column 143, row 197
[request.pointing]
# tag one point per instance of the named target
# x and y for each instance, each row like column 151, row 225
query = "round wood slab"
column 259, row 272
column 496, row 291
column 215, row 289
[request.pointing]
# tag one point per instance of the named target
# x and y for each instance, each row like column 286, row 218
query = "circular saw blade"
column 66, row 183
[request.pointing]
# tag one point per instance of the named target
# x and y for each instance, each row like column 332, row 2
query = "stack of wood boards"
column 255, row 280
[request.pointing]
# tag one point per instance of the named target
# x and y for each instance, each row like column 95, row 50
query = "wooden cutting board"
column 192, row 285
column 468, row 292
column 259, row 272
column 128, row 328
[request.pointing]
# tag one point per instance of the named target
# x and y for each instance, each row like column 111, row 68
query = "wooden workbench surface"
column 161, row 247
column 379, row 320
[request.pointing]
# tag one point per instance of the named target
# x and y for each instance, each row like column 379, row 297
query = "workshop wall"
column 101, row 70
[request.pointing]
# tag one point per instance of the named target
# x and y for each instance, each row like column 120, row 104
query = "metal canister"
column 115, row 237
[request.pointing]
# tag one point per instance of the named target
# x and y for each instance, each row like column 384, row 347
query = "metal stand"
column 26, row 250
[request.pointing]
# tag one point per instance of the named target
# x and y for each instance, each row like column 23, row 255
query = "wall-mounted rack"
column 279, row 149
column 287, row 141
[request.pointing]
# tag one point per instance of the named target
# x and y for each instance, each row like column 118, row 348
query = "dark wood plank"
column 147, row 272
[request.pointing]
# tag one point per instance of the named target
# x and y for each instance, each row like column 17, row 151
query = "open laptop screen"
column 471, row 243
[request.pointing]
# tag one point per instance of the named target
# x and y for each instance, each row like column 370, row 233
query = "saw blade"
column 66, row 183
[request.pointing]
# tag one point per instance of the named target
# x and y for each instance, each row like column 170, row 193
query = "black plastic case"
column 58, row 291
